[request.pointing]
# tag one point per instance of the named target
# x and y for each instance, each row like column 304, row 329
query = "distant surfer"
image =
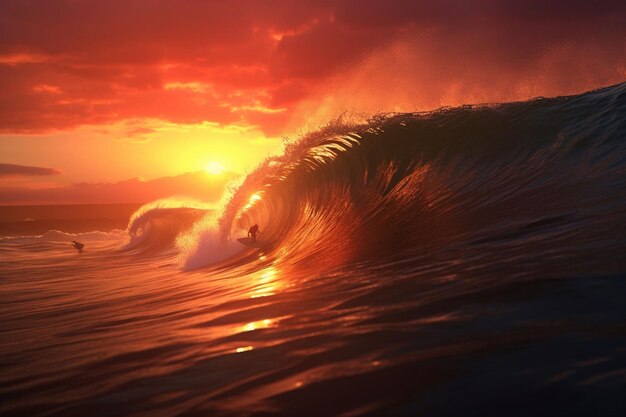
column 252, row 232
column 78, row 245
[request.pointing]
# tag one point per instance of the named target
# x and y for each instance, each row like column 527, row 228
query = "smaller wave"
column 156, row 225
column 60, row 236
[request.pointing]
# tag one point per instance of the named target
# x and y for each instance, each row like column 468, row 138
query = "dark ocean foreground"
column 468, row 261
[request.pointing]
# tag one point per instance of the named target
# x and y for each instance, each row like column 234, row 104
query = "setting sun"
column 214, row 168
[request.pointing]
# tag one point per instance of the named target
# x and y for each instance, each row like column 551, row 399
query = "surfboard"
column 247, row 241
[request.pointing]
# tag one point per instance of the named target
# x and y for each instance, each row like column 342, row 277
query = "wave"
column 155, row 226
column 400, row 185
column 411, row 182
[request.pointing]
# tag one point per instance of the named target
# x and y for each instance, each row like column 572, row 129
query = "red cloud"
column 67, row 63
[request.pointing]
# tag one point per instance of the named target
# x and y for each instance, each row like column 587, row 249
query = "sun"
column 214, row 168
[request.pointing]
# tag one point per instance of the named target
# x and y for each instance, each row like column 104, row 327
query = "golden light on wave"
column 214, row 168
column 253, row 199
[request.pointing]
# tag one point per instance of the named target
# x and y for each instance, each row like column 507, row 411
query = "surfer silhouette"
column 252, row 232
column 77, row 245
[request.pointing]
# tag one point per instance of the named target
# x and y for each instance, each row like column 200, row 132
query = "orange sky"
column 103, row 92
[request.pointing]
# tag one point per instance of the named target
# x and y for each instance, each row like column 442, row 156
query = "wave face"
column 468, row 261
column 531, row 175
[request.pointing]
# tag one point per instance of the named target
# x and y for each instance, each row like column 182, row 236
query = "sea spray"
column 204, row 244
column 207, row 242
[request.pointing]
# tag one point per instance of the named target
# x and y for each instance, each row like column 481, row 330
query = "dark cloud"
column 7, row 170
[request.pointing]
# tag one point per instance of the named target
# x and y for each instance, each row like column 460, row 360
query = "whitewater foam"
column 205, row 245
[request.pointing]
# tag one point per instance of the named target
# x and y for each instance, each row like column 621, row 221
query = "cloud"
column 7, row 170
column 197, row 185
column 68, row 63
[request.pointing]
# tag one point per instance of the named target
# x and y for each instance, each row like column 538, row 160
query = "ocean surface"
column 469, row 261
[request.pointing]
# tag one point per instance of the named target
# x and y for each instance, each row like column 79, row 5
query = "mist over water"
column 463, row 261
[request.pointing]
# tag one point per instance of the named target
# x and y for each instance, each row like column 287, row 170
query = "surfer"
column 77, row 245
column 253, row 231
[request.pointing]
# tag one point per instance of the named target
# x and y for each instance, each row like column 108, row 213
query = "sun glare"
column 214, row 168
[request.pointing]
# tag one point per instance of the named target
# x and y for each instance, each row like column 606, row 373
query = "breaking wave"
column 404, row 184
column 155, row 226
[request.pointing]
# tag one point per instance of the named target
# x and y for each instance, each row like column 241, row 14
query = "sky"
column 130, row 91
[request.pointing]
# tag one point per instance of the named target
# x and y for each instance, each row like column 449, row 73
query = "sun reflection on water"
column 243, row 349
column 261, row 324
column 266, row 283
